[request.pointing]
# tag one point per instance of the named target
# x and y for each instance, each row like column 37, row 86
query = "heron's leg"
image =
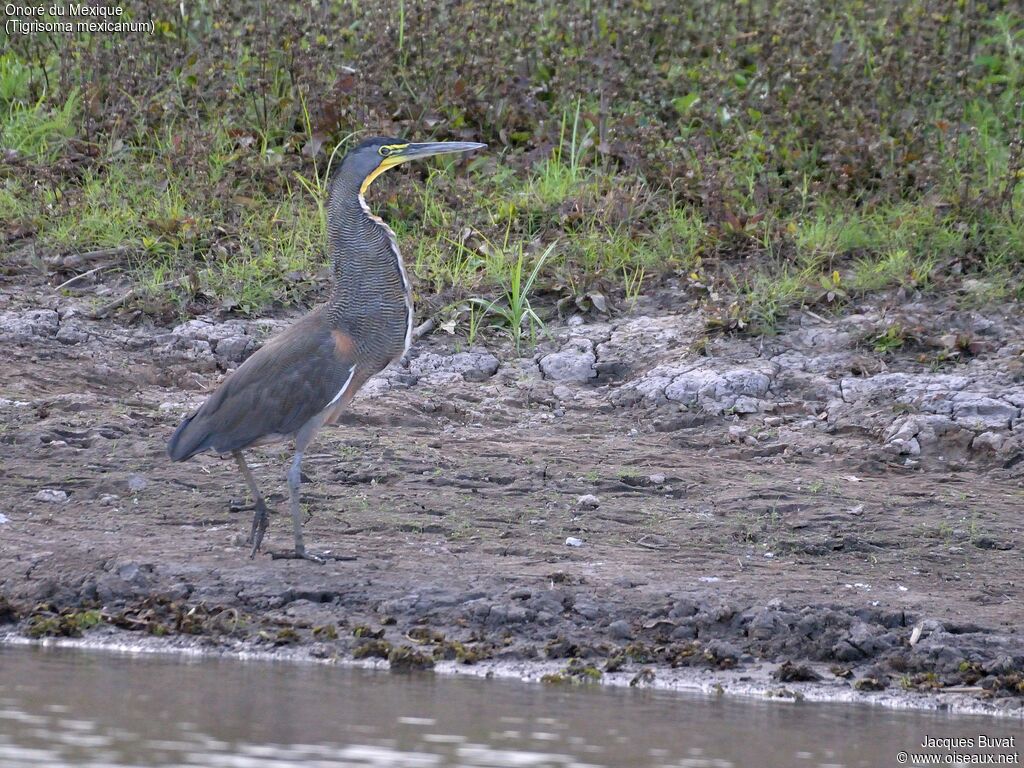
column 260, row 518
column 294, row 482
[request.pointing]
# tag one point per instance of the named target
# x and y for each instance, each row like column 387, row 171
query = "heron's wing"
column 291, row 379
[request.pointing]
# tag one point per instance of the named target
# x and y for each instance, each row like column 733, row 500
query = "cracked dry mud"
column 795, row 497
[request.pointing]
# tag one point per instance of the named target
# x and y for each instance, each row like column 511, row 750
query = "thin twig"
column 102, row 253
column 641, row 543
column 106, row 309
column 816, row 316
column 69, row 260
column 76, row 278
column 423, row 329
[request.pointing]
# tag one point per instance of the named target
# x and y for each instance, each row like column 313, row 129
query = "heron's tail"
column 185, row 442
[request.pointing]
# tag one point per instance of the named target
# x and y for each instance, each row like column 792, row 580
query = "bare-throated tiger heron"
column 303, row 378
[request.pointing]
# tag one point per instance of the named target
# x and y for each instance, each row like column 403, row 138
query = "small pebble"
column 4, row 519
column 588, row 501
column 562, row 392
column 620, row 630
column 51, row 495
column 572, row 541
column 657, row 479
column 109, row 499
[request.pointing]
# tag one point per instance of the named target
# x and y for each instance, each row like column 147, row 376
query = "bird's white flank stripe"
column 344, row 386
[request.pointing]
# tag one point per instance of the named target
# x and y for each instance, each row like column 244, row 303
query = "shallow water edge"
column 752, row 682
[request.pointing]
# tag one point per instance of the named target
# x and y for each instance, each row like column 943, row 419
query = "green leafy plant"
column 513, row 308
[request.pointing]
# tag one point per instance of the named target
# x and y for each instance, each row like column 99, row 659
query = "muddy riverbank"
column 632, row 498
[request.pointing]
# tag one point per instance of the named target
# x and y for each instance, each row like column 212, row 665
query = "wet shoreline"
column 755, row 682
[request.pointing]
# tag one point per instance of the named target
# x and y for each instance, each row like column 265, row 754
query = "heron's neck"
column 365, row 260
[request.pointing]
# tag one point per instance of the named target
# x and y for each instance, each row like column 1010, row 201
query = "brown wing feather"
column 291, row 379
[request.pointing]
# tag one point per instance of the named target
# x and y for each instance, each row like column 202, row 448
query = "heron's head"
column 374, row 156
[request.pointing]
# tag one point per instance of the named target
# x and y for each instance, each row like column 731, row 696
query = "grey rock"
column 131, row 572
column 980, row 412
column 235, row 349
column 737, row 433
column 23, row 326
column 650, row 388
column 844, row 651
column 739, row 390
column 230, row 342
column 588, row 501
column 909, row 447
column 472, row 365
column 208, row 330
column 620, row 630
column 111, row 588
column 988, row 441
column 574, row 362
column 562, row 392
column 502, row 615
column 51, row 496
column 1001, row 665
column 765, row 624
column 587, row 610
column 572, row 541
column 71, row 334
column 687, row 630
column 883, row 385
column 721, row 649
column 637, row 343
column 684, row 608
column 687, row 388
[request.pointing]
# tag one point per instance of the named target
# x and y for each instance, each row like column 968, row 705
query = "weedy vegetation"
column 756, row 155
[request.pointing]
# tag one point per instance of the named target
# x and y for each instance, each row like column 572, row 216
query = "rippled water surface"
column 73, row 708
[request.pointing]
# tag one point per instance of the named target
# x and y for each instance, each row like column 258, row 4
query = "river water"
column 78, row 708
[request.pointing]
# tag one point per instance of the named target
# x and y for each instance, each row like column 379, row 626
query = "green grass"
column 13, row 203
column 894, row 268
column 895, row 167
column 39, row 130
column 512, row 309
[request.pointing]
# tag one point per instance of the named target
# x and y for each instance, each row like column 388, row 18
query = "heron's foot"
column 260, row 521
column 299, row 554
column 314, row 557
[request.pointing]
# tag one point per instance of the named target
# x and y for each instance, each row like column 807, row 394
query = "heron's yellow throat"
column 388, row 162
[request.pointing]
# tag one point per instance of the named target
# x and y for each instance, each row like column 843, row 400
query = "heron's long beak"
column 430, row 148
